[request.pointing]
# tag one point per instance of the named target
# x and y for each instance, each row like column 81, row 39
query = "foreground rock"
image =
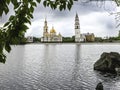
column 108, row 62
column 99, row 86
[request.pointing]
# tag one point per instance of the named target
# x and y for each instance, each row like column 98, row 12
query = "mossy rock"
column 108, row 62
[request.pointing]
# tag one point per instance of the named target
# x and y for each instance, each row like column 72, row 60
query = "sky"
column 94, row 18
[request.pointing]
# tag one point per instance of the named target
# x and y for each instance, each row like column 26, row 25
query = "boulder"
column 108, row 62
column 99, row 86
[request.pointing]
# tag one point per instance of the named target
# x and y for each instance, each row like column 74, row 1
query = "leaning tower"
column 77, row 29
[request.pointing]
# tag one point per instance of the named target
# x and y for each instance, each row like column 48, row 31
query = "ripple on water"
column 56, row 67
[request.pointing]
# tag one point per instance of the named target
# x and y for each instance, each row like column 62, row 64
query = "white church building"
column 78, row 36
column 50, row 36
column 82, row 37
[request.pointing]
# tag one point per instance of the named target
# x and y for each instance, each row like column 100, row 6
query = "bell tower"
column 45, row 29
column 77, row 29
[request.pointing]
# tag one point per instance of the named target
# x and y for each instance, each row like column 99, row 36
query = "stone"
column 99, row 86
column 108, row 62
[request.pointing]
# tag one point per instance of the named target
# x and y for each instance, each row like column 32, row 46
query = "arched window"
column 77, row 27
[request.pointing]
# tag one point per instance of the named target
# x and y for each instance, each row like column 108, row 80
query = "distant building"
column 50, row 36
column 30, row 39
column 82, row 37
column 87, row 37
column 77, row 29
column 90, row 37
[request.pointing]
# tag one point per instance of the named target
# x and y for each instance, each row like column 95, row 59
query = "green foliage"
column 14, row 29
column 35, row 39
column 61, row 4
column 98, row 39
column 117, row 2
column 68, row 39
column 110, row 39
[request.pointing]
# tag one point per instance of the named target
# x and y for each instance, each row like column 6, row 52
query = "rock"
column 99, row 86
column 117, row 71
column 108, row 62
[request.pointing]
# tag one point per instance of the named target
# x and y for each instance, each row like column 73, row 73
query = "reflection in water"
column 55, row 67
column 49, row 55
column 78, row 83
column 48, row 65
column 76, row 78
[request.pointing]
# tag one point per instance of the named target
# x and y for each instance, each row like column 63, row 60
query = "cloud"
column 4, row 17
column 94, row 18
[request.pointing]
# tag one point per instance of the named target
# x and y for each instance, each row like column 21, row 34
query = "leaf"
column 38, row 1
column 71, row 1
column 45, row 3
column 64, row 6
column 25, row 1
column 14, row 2
column 6, row 24
column 6, row 10
column 25, row 27
column 31, row 9
column 11, row 18
column 1, row 12
column 16, row 5
column 48, row 4
column 33, row 4
column 7, row 47
column 31, row 15
column 2, row 58
column 8, row 2
column 69, row 6
column 60, row 8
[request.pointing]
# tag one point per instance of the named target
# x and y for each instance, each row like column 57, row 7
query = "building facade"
column 50, row 36
column 77, row 29
column 86, row 37
column 90, row 37
column 29, row 39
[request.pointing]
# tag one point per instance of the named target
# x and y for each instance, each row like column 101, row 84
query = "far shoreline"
column 75, row 43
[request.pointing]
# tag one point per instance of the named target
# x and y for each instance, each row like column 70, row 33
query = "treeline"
column 68, row 39
column 107, row 39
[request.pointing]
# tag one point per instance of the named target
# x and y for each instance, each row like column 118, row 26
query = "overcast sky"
column 94, row 18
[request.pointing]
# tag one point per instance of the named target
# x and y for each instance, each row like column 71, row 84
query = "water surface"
column 56, row 67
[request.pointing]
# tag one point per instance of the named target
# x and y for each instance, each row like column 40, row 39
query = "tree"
column 16, row 27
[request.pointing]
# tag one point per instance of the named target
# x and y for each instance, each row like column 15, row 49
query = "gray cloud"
column 94, row 17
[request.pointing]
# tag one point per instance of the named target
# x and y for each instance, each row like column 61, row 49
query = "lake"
column 56, row 67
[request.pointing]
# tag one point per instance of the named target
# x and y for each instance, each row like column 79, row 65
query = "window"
column 77, row 27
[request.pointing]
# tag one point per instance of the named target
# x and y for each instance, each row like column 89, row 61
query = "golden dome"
column 52, row 30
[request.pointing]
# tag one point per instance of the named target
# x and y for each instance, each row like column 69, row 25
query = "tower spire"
column 76, row 15
column 77, row 29
column 45, row 18
column 45, row 28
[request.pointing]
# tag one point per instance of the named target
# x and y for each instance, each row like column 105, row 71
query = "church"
column 51, row 36
column 86, row 37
